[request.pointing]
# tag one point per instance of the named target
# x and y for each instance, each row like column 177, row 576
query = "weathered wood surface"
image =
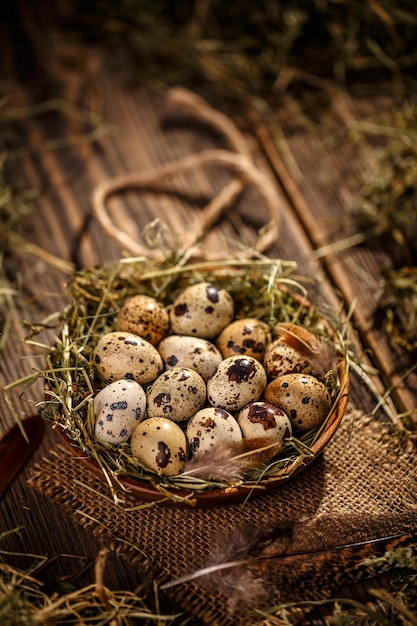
column 312, row 188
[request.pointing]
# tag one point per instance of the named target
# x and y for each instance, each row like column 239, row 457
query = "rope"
column 238, row 161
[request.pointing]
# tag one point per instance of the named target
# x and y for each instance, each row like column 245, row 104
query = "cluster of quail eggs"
column 181, row 379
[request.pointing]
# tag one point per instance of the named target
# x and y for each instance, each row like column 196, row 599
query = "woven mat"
column 361, row 487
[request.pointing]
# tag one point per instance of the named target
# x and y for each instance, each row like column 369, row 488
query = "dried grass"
column 23, row 602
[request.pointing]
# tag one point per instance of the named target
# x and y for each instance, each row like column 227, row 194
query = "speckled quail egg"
column 201, row 310
column 160, row 445
column 305, row 399
column 193, row 352
column 247, row 336
column 209, row 426
column 282, row 359
column 125, row 355
column 266, row 422
column 118, row 408
column 176, row 394
column 144, row 316
column 237, row 381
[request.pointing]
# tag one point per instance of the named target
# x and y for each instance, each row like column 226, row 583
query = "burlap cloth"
column 362, row 487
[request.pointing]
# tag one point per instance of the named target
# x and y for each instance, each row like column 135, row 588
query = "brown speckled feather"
column 320, row 355
column 252, row 566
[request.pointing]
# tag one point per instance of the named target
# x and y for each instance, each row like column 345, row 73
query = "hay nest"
column 266, row 289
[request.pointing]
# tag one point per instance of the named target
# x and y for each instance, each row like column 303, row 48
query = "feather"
column 219, row 464
column 230, row 569
column 250, row 564
column 321, row 356
column 228, row 462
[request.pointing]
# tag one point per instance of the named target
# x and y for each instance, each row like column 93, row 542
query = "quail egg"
column 237, row 381
column 298, row 350
column 176, row 394
column 118, row 408
column 305, row 399
column 247, row 336
column 281, row 359
column 144, row 316
column 209, row 426
column 125, row 355
column 160, row 445
column 201, row 310
column 264, row 421
column 193, row 352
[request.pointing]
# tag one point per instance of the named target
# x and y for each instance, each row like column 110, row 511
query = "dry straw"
column 23, row 600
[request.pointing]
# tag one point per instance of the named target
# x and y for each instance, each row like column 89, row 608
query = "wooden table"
column 91, row 124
